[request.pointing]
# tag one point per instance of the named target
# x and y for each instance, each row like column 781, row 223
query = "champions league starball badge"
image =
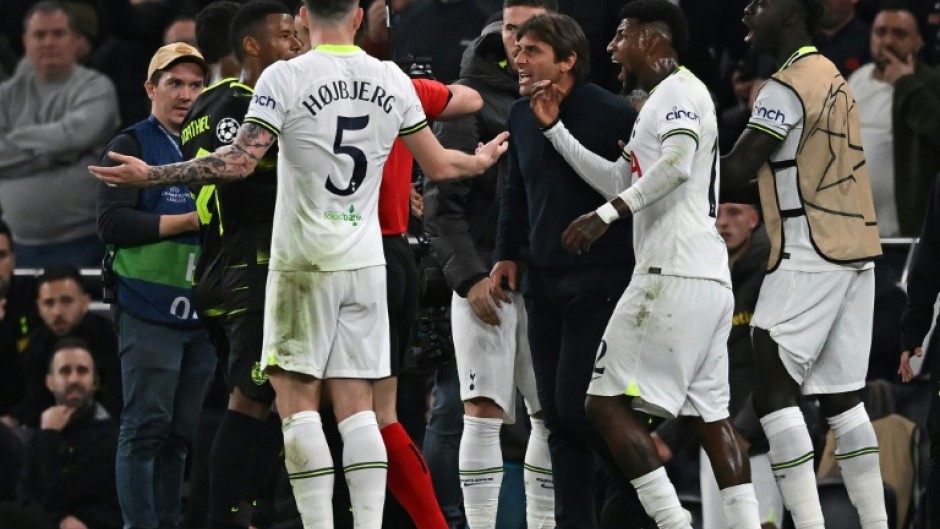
column 226, row 130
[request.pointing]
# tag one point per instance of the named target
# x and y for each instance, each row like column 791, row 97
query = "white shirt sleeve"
column 413, row 117
column 777, row 110
column 670, row 171
column 606, row 177
column 681, row 117
column 268, row 106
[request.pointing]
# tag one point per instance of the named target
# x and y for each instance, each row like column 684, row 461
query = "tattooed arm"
column 232, row 162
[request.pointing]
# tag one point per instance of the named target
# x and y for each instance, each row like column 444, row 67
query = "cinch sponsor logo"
column 678, row 113
column 769, row 113
column 340, row 216
column 264, row 101
column 194, row 129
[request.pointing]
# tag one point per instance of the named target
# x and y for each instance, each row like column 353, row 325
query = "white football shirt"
column 336, row 112
column 677, row 234
column 779, row 112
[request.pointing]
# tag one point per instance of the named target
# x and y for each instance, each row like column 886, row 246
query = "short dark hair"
column 331, row 10
column 898, row 5
column 212, row 30
column 647, row 11
column 60, row 273
column 47, row 7
column 565, row 36
column 249, row 19
column 548, row 5
column 72, row 342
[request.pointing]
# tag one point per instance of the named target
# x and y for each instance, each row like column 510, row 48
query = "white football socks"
column 857, row 454
column 481, row 470
column 659, row 499
column 310, row 468
column 365, row 464
column 791, row 459
column 537, row 475
column 740, row 506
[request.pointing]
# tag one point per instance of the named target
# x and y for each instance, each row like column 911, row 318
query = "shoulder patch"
column 226, row 130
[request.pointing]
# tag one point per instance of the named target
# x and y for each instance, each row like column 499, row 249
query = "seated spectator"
column 841, row 36
column 899, row 111
column 54, row 118
column 18, row 318
column 63, row 306
column 68, row 472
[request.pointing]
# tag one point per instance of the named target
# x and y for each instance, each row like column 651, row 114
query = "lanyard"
column 169, row 137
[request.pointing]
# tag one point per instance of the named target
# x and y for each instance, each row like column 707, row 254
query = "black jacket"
column 99, row 333
column 923, row 281
column 71, row 472
column 20, row 319
column 543, row 194
column 460, row 217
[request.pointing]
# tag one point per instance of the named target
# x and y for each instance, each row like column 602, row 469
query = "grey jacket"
column 49, row 133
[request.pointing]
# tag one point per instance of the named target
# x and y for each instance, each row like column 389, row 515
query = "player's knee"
column 482, row 407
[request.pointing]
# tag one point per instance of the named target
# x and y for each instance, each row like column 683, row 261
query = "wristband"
column 608, row 213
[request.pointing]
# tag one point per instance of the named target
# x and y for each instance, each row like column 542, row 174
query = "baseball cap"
column 173, row 52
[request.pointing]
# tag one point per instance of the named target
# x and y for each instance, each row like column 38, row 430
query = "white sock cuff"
column 744, row 490
column 848, row 420
column 538, row 429
column 782, row 420
column 356, row 421
column 656, row 475
column 483, row 426
column 301, row 417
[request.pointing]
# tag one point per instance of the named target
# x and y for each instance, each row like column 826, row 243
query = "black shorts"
column 402, row 286
column 245, row 333
column 243, row 284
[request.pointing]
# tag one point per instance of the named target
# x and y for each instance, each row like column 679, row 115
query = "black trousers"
column 568, row 311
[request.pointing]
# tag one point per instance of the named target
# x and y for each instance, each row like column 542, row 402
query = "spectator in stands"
column 899, row 107
column 18, row 319
column 167, row 361
column 923, row 286
column 842, row 36
column 183, row 29
column 63, row 305
column 212, row 25
column 54, row 117
column 68, row 473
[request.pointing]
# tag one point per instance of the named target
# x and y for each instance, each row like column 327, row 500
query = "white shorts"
column 822, row 322
column 327, row 324
column 493, row 362
column 667, row 345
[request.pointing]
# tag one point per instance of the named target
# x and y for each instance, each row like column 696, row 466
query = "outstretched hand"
column 131, row 172
column 490, row 152
column 582, row 232
column 545, row 100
